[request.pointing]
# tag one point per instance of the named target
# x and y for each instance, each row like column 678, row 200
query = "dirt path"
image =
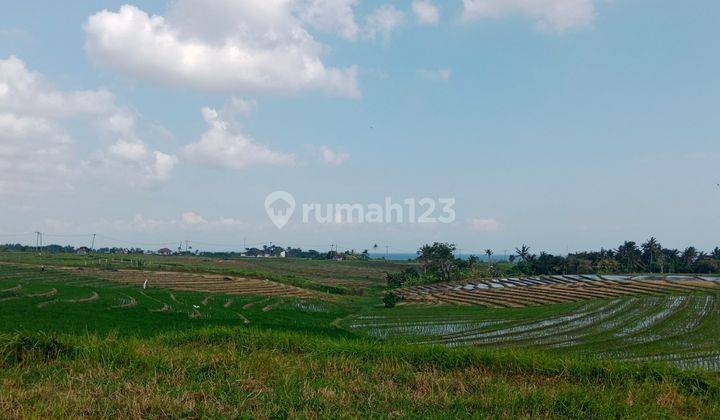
column 51, row 293
column 165, row 308
column 273, row 306
column 49, row 302
column 92, row 298
column 205, row 301
column 174, row 299
column 251, row 304
column 131, row 304
column 9, row 298
column 12, row 289
column 229, row 303
column 245, row 320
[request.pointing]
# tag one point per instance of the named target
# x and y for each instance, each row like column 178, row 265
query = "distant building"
column 83, row 250
column 164, row 251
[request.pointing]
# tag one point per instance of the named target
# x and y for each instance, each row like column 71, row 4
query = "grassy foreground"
column 72, row 345
column 244, row 371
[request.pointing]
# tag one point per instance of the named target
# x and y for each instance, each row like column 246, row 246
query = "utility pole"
column 387, row 252
column 92, row 247
column 38, row 241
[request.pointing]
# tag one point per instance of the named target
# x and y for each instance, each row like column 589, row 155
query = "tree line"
column 438, row 263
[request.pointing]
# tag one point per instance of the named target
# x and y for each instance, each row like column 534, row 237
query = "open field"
column 206, row 283
column 342, row 277
column 90, row 342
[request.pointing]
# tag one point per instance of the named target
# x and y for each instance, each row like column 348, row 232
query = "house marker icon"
column 280, row 206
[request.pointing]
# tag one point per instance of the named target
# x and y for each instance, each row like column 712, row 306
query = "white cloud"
column 131, row 162
column 331, row 157
column 334, row 16
column 34, row 155
column 128, row 160
column 548, row 15
column 219, row 45
column 426, row 12
column 240, row 106
column 222, row 146
column 190, row 221
column 36, row 152
column 485, row 225
column 27, row 92
column 442, row 75
column 191, row 218
column 383, row 21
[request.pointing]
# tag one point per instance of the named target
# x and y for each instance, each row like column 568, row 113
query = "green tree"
column 523, row 252
column 652, row 254
column 390, row 300
column 629, row 256
column 688, row 258
column 438, row 259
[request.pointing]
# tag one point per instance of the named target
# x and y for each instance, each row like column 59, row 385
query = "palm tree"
column 689, row 255
column 716, row 253
column 489, row 253
column 523, row 252
column 651, row 249
column 629, row 256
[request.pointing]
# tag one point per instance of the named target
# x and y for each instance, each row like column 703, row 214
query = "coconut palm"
column 523, row 252
column 716, row 253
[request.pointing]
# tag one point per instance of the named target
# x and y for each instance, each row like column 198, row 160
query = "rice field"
column 65, row 300
column 681, row 329
column 669, row 319
column 82, row 343
column 209, row 283
column 544, row 290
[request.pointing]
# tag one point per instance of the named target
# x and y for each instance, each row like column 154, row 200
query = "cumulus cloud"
column 131, row 162
column 485, row 225
column 222, row 146
column 548, row 15
column 442, row 75
column 27, row 92
column 331, row 157
column 190, row 221
column 383, row 21
column 34, row 155
column 128, row 159
column 426, row 12
column 36, row 151
column 218, row 45
column 239, row 106
column 333, row 16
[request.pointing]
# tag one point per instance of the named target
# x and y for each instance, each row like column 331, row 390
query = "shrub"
column 390, row 300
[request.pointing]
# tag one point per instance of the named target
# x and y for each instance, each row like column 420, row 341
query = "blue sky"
column 563, row 124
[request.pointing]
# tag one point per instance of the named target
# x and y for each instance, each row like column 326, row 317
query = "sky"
column 566, row 125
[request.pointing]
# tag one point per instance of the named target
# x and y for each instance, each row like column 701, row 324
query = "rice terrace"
column 654, row 338
column 363, row 209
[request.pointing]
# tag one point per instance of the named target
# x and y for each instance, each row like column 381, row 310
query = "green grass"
column 339, row 277
column 221, row 372
column 310, row 358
